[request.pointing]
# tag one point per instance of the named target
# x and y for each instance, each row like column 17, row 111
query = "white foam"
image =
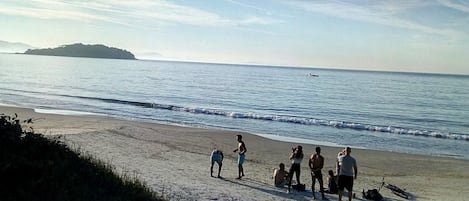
column 300, row 140
column 64, row 112
column 8, row 105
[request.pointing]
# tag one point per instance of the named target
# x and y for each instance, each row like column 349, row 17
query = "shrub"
column 33, row 167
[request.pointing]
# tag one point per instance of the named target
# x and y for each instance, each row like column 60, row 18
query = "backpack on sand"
column 299, row 187
column 372, row 194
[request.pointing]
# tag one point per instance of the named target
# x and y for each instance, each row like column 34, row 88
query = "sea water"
column 401, row 112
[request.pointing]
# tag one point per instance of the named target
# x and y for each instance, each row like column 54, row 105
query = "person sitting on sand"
column 332, row 183
column 280, row 176
column 216, row 156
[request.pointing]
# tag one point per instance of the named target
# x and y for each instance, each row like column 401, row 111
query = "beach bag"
column 372, row 194
column 300, row 187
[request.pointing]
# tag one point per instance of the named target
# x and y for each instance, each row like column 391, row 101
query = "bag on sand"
column 372, row 194
column 299, row 187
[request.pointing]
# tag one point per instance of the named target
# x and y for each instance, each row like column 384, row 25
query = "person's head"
column 281, row 166
column 331, row 173
column 341, row 153
column 348, row 150
column 299, row 152
column 318, row 150
column 299, row 148
column 239, row 137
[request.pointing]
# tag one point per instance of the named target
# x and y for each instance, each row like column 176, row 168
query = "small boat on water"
column 313, row 75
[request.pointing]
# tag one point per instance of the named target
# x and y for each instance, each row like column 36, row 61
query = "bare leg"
column 350, row 196
column 240, row 171
column 340, row 195
column 321, row 187
column 211, row 169
column 219, row 169
column 290, row 177
column 312, row 185
column 298, row 176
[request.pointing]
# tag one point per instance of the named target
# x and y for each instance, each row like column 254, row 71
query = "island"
column 82, row 50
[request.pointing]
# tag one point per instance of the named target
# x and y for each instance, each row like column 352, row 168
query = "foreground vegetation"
column 33, row 167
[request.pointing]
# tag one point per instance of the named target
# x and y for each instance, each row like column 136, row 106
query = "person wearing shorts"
column 316, row 163
column 216, row 156
column 241, row 149
column 348, row 172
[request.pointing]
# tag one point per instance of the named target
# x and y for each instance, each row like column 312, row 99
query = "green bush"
column 33, row 167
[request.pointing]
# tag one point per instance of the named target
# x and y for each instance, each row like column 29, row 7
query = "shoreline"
column 175, row 160
column 286, row 139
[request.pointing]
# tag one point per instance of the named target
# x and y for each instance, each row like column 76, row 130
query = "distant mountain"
column 81, row 50
column 10, row 47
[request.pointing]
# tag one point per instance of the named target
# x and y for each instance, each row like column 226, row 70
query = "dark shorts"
column 316, row 175
column 345, row 182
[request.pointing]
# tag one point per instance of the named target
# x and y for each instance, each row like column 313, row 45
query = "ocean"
column 415, row 113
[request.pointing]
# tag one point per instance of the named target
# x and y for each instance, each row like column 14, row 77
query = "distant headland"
column 81, row 50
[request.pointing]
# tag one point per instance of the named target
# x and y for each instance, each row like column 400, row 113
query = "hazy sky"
column 398, row 35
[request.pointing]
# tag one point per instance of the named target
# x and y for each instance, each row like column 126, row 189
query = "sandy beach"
column 174, row 160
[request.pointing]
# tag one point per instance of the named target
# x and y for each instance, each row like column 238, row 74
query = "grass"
column 33, row 167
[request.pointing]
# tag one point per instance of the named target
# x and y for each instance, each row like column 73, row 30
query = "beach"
column 174, row 160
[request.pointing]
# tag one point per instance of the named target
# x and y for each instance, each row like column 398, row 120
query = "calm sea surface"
column 402, row 112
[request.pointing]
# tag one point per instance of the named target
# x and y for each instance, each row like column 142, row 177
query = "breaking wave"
column 289, row 119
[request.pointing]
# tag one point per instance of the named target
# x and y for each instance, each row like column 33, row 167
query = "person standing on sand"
column 316, row 163
column 296, row 157
column 241, row 155
column 216, row 156
column 340, row 154
column 348, row 172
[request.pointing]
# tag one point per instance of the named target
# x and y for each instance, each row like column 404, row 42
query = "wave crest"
column 295, row 120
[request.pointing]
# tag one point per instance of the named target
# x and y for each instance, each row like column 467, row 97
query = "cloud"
column 457, row 5
column 377, row 12
column 126, row 12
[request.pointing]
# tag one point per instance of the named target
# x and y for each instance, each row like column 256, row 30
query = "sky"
column 429, row 36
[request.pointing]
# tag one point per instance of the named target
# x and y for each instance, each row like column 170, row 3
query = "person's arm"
column 221, row 153
column 292, row 155
column 337, row 165
column 310, row 164
column 356, row 170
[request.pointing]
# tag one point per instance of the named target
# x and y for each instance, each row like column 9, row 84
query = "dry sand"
column 174, row 160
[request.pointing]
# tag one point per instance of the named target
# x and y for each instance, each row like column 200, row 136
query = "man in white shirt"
column 348, row 172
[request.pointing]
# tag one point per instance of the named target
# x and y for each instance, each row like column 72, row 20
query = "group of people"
column 217, row 156
column 346, row 168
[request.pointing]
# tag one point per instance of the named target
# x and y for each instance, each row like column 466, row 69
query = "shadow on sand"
column 268, row 188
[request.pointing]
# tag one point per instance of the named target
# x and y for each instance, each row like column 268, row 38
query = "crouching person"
column 216, row 156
